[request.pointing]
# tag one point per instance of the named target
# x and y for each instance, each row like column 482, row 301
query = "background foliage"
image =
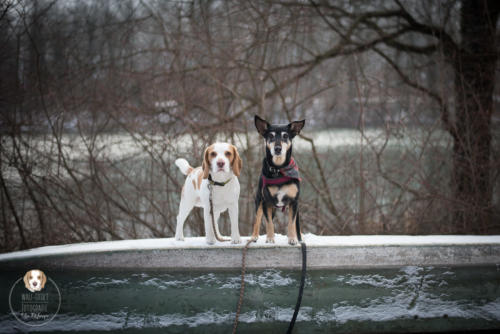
column 99, row 97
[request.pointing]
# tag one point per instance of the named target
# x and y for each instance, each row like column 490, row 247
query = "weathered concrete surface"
column 323, row 253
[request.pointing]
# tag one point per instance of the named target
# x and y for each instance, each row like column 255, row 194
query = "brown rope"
column 242, row 288
column 217, row 236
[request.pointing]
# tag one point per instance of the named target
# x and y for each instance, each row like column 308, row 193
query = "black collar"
column 215, row 183
column 271, row 171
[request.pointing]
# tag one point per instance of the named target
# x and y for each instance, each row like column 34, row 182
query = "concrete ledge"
column 324, row 252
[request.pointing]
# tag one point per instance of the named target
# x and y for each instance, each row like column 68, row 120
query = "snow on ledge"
column 281, row 241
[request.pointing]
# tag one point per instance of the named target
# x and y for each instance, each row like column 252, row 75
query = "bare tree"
column 98, row 98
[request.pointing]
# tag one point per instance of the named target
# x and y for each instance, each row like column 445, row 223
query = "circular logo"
column 34, row 299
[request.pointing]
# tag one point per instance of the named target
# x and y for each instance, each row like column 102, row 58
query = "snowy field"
column 133, row 182
column 120, row 146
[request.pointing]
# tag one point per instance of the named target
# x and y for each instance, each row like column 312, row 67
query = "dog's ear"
column 26, row 279
column 44, row 279
column 261, row 125
column 296, row 126
column 206, row 163
column 236, row 164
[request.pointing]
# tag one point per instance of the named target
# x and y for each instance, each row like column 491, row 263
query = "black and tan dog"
column 279, row 183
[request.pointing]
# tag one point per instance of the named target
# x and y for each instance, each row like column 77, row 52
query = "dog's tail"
column 183, row 166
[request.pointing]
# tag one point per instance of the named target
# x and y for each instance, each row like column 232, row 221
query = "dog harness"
column 285, row 174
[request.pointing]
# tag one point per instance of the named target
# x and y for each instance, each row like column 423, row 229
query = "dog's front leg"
column 256, row 224
column 292, row 218
column 233, row 216
column 269, row 225
column 209, row 231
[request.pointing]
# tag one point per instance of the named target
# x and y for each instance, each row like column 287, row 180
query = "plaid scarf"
column 288, row 173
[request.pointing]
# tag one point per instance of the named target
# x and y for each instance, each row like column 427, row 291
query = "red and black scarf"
column 287, row 173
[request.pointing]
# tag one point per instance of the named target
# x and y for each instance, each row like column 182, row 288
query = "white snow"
column 281, row 241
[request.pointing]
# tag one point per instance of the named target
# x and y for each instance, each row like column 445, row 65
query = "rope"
column 301, row 287
column 302, row 278
column 242, row 288
column 217, row 236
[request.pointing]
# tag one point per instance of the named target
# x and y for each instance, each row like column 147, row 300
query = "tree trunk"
column 474, row 84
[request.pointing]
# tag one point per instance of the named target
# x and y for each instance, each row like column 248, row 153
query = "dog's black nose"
column 220, row 164
column 35, row 283
column 277, row 149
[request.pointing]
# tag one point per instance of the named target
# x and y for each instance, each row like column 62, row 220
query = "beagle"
column 219, row 171
column 35, row 280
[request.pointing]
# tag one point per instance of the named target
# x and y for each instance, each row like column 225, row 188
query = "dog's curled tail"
column 183, row 166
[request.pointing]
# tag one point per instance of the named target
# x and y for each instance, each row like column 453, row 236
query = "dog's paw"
column 236, row 240
column 292, row 241
column 179, row 238
column 254, row 238
column 210, row 241
column 270, row 240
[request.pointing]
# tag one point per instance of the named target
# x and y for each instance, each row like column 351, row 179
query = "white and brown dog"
column 220, row 169
column 35, row 280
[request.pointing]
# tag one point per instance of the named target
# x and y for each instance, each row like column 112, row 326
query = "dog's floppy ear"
column 26, row 279
column 237, row 164
column 261, row 125
column 206, row 163
column 296, row 126
column 44, row 279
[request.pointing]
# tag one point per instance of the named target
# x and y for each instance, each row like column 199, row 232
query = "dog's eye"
column 271, row 135
column 228, row 154
column 285, row 135
column 213, row 154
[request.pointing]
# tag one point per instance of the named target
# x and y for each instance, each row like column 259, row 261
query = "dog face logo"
column 34, row 280
column 34, row 299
